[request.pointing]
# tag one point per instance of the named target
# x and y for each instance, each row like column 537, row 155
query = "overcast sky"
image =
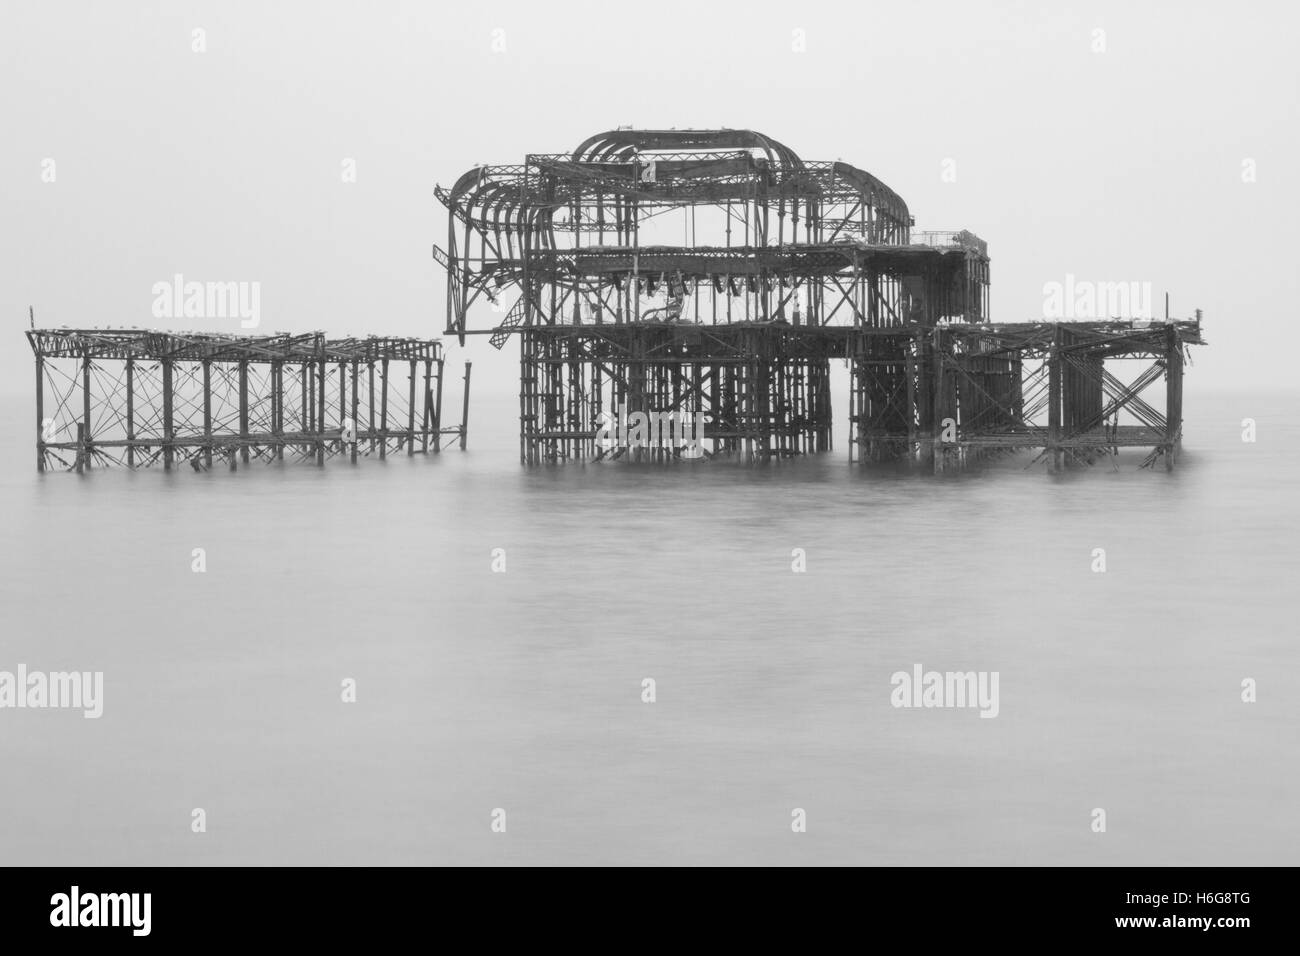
column 1121, row 155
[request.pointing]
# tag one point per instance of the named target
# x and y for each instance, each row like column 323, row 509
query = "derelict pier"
column 139, row 398
column 715, row 273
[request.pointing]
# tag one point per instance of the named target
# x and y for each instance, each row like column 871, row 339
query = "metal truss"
column 138, row 398
column 955, row 394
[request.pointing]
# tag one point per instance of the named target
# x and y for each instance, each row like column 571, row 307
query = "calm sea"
column 522, row 690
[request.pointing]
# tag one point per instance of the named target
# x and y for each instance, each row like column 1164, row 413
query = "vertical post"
column 130, row 413
column 83, row 445
column 168, row 409
column 370, row 405
column 464, row 409
column 343, row 403
column 1054, row 399
column 410, row 414
column 728, row 277
column 437, row 410
column 824, row 375
column 320, row 412
column 243, row 413
column 356, row 410
column 308, row 400
column 1173, row 396
column 277, row 406
column 428, row 407
column 939, row 406
column 40, row 410
column 207, row 413
column 634, row 209
column 855, row 385
column 526, row 371
column 909, row 370
column 383, row 414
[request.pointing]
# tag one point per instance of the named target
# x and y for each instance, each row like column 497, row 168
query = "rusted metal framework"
column 700, row 272
column 953, row 394
column 715, row 273
column 761, row 391
column 139, row 398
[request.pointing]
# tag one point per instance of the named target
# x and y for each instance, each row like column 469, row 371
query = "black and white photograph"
column 538, row 435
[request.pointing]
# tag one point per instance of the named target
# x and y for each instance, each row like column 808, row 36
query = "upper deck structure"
column 708, row 227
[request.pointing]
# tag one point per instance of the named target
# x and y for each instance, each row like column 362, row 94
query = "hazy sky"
column 1124, row 164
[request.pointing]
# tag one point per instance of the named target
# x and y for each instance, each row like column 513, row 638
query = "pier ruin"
column 140, row 398
column 716, row 273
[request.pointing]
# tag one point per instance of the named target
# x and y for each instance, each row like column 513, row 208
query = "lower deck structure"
column 939, row 396
column 139, row 398
column 758, row 390
column 1071, row 392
